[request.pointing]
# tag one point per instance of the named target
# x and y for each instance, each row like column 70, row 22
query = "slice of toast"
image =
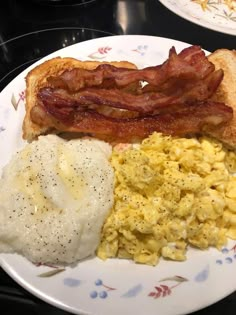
column 37, row 78
column 226, row 93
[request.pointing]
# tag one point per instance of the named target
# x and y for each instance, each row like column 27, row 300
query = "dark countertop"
column 29, row 30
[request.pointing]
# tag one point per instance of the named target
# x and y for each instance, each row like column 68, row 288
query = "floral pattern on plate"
column 213, row 14
column 163, row 288
column 114, row 286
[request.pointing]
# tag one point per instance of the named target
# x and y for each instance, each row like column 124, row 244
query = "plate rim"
column 34, row 290
column 202, row 23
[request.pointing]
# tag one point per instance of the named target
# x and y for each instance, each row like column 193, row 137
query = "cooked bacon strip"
column 191, row 63
column 144, row 103
column 195, row 118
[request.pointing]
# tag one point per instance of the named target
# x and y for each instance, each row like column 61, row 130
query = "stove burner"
column 35, row 45
column 32, row 30
column 64, row 2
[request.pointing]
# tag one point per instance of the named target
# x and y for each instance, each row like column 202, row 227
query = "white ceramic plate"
column 216, row 16
column 117, row 286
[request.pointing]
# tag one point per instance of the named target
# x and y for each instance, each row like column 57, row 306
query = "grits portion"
column 170, row 193
column 54, row 198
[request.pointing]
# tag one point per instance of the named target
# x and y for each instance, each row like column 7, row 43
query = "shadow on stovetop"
column 14, row 300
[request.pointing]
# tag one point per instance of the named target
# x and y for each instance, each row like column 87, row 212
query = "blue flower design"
column 71, row 282
column 225, row 250
column 219, row 261
column 103, row 294
column 203, row 275
column 93, row 294
column 98, row 282
column 229, row 260
column 134, row 291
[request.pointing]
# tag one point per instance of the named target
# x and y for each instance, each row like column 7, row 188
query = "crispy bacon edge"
column 143, row 103
column 190, row 64
column 175, row 100
column 195, row 118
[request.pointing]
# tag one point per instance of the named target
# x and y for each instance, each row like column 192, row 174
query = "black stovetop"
column 31, row 29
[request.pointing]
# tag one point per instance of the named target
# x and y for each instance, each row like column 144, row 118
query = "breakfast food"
column 170, row 193
column 54, row 198
column 109, row 102
column 226, row 60
column 37, row 78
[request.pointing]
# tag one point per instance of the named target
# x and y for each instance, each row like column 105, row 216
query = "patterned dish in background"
column 115, row 286
column 212, row 14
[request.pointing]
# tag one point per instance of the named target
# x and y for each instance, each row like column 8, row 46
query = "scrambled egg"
column 170, row 193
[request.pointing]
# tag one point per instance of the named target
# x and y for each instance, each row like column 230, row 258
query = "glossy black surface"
column 30, row 30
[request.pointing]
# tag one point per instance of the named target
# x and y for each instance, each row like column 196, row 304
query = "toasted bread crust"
column 226, row 93
column 37, row 78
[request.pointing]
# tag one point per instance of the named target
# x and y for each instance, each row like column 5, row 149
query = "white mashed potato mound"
column 54, row 197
